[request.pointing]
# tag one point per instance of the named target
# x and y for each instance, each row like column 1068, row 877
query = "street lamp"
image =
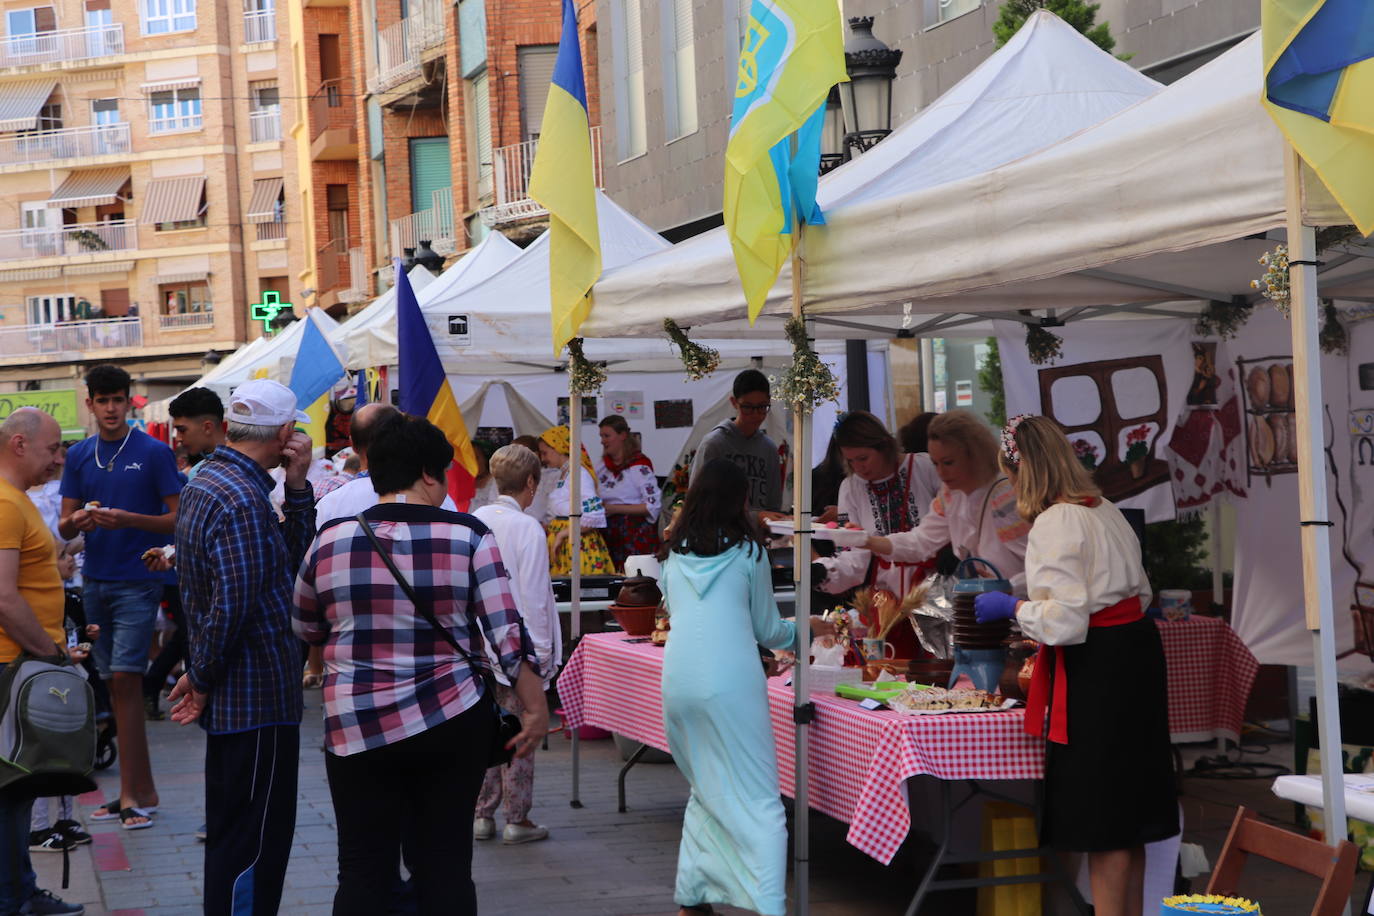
column 428, row 258
column 209, row 361
column 833, row 152
column 866, row 100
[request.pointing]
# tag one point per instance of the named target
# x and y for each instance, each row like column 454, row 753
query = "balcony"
column 68, row 241
column 178, row 123
column 333, row 122
column 511, row 167
column 401, row 45
column 187, row 320
column 66, row 143
column 270, row 232
column 69, row 340
column 65, row 46
column 265, row 124
column 435, row 225
column 259, row 25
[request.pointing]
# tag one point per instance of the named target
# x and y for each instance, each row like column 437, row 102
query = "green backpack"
column 47, row 729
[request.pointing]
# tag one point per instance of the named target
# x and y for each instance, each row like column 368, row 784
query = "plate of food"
column 917, row 700
column 847, row 535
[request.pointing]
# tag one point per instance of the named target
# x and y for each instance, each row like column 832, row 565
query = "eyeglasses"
column 754, row 408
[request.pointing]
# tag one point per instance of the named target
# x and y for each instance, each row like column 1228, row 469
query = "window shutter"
column 430, row 171
column 481, row 118
column 44, row 19
column 682, row 23
column 536, row 73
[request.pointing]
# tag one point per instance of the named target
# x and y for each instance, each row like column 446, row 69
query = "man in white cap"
column 238, row 566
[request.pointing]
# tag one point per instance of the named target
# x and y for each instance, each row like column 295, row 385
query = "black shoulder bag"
column 505, row 725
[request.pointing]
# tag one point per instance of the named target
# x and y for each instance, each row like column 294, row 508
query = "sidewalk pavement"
column 597, row 862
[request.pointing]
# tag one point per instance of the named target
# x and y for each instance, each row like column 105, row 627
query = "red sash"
column 1124, row 612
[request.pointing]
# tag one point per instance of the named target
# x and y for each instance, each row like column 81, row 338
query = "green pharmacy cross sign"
column 267, row 310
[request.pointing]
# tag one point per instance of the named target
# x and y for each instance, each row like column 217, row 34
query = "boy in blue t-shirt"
column 120, row 489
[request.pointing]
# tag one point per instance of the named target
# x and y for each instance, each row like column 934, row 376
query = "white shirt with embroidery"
column 593, row 512
column 632, row 486
column 978, row 524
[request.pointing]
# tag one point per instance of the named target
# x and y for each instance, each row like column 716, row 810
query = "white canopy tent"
column 369, row 337
column 273, row 356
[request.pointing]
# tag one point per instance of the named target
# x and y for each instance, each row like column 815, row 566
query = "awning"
column 172, row 200
column 190, row 276
column 20, row 103
column 262, row 208
column 190, row 82
column 95, row 188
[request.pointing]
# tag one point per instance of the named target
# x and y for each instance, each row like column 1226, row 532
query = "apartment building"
column 451, row 98
column 668, row 70
column 146, row 194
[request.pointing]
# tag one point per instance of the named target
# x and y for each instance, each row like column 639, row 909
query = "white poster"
column 628, row 404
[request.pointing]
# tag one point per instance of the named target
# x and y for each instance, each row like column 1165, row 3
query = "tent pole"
column 575, row 549
column 802, row 710
column 1218, row 583
column 1316, row 534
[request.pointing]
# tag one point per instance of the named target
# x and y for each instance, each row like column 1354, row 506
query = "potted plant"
column 1137, row 450
column 1086, row 453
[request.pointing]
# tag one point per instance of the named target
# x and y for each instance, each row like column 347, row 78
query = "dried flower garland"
column 1223, row 319
column 699, row 361
column 808, row 382
column 1044, row 346
column 583, row 377
column 1333, row 337
column 1274, row 284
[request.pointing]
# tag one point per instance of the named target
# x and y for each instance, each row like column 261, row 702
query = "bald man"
column 31, row 612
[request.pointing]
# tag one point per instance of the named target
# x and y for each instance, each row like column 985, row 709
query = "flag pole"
column 802, row 710
column 575, row 548
column 1313, row 505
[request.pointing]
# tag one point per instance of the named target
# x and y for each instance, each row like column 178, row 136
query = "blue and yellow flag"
column 563, row 181
column 793, row 53
column 425, row 389
column 317, row 367
column 1319, row 89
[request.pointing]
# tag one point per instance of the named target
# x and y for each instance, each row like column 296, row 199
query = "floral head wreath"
column 1009, row 447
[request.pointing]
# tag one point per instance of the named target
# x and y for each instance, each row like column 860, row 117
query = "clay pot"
column 1137, row 468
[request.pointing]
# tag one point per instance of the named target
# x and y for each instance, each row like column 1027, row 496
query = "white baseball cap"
column 263, row 402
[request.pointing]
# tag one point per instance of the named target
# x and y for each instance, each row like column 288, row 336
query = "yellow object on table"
column 1006, row 827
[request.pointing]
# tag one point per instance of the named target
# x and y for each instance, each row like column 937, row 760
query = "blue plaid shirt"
column 238, row 564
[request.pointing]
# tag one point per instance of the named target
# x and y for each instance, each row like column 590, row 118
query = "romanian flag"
column 793, row 53
column 564, row 182
column 1319, row 88
column 425, row 391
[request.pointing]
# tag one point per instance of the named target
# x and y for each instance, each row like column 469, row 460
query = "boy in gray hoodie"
column 742, row 441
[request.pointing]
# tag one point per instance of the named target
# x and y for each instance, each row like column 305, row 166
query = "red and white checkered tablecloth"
column 860, row 759
column 1210, row 675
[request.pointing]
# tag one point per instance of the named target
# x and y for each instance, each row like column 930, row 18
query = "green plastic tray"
column 878, row 692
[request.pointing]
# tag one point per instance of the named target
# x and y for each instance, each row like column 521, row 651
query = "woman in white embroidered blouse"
column 555, row 444
column 629, row 491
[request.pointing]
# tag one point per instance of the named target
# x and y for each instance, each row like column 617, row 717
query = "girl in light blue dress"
column 718, row 588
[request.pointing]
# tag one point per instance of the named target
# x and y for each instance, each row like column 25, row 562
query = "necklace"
column 110, row 467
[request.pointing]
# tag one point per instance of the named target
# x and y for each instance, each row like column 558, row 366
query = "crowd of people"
column 431, row 630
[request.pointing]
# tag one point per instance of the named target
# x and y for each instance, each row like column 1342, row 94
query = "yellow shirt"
column 22, row 529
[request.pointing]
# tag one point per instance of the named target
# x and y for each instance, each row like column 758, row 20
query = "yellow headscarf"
column 559, row 439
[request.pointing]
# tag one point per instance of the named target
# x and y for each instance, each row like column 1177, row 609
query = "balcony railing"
column 331, row 107
column 401, row 44
column 357, row 289
column 511, row 167
column 265, row 124
column 331, row 265
column 175, row 123
column 182, row 321
column 271, row 231
column 70, row 337
column 62, row 46
column 66, row 143
column 259, row 25
column 435, row 225
column 67, row 241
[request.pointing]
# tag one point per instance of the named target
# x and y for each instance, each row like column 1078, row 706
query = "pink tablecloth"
column 859, row 759
column 1210, row 675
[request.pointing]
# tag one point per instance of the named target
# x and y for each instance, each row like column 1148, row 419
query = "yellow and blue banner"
column 425, row 389
column 563, row 181
column 1319, row 89
column 793, row 53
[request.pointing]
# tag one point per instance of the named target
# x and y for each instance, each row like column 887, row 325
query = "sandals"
column 128, row 814
column 112, row 811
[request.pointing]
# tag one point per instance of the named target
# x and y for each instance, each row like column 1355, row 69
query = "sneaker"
column 515, row 834
column 152, row 710
column 46, row 903
column 50, row 840
column 483, row 828
column 73, row 831
column 201, row 833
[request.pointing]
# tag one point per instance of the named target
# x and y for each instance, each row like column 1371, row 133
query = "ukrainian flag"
column 563, row 181
column 1319, row 88
column 425, row 390
column 793, row 53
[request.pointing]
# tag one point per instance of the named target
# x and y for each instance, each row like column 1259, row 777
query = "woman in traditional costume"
column 555, row 446
column 629, row 491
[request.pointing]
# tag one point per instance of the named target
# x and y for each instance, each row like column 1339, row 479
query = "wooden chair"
column 1249, row 836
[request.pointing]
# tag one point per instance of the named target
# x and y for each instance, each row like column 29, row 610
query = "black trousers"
column 250, row 817
column 175, row 650
column 418, row 795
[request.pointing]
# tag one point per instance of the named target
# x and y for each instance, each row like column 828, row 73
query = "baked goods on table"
column 933, row 699
column 1208, row 903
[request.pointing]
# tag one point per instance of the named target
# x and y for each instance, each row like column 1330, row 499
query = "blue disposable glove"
column 993, row 606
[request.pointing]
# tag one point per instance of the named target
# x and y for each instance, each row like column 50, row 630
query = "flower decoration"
column 1137, row 443
column 1044, row 346
column 808, row 381
column 1223, row 319
column 699, row 361
column 1086, row 453
column 584, row 377
column 1009, row 447
column 1273, row 285
column 1333, row 337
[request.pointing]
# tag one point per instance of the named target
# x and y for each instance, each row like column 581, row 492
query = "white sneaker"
column 515, row 834
column 483, row 828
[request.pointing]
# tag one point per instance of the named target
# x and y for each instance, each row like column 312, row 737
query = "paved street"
column 596, row 863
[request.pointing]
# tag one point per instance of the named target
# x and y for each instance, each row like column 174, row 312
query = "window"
column 536, row 72
column 24, row 26
column 42, row 227
column 195, row 222
column 173, row 110
column 259, row 21
column 680, row 68
column 185, row 298
column 264, row 94
column 102, row 37
column 430, row 170
column 938, row 11
column 631, row 130
column 481, row 117
column 336, row 202
column 104, row 112
column 163, row 16
column 49, row 309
